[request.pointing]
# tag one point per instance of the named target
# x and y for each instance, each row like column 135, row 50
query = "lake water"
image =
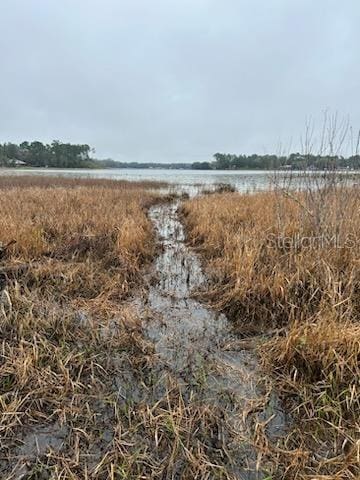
column 184, row 180
column 244, row 180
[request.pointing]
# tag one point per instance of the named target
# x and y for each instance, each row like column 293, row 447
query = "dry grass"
column 47, row 181
column 81, row 240
column 82, row 394
column 79, row 252
column 306, row 296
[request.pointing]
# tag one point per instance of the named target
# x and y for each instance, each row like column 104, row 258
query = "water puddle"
column 37, row 442
column 192, row 341
column 184, row 331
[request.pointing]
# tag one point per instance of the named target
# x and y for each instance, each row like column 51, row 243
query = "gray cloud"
column 175, row 80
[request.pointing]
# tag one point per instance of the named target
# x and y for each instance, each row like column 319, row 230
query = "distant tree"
column 222, row 161
column 201, row 166
column 11, row 150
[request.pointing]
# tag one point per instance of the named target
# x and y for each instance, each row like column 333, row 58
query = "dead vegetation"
column 81, row 240
column 80, row 399
column 47, row 181
column 83, row 394
column 80, row 247
column 287, row 264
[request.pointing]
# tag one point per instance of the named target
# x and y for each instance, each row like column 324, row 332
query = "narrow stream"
column 195, row 342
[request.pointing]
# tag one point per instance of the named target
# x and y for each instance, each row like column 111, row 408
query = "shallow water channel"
column 198, row 346
column 196, row 349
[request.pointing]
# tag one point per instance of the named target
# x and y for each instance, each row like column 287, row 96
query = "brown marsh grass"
column 84, row 239
column 87, row 391
column 288, row 265
column 47, row 181
column 82, row 395
column 80, row 248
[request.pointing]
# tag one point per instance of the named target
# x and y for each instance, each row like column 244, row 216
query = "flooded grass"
column 199, row 349
column 304, row 297
column 110, row 367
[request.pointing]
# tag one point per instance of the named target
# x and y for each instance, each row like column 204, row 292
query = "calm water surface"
column 243, row 180
column 188, row 180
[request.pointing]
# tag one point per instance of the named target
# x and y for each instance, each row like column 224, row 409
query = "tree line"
column 66, row 155
column 109, row 163
column 295, row 161
column 38, row 154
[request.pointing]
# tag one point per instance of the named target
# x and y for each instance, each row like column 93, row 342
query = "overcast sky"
column 175, row 80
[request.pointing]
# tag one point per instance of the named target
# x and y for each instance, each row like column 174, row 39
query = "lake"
column 187, row 180
column 242, row 180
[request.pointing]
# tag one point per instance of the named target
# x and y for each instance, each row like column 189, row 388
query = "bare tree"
column 323, row 196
